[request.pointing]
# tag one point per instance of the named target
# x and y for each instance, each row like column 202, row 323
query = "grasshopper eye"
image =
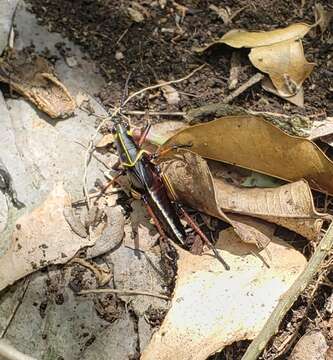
column 113, row 130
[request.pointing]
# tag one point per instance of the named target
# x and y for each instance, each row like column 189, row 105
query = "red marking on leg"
column 144, row 135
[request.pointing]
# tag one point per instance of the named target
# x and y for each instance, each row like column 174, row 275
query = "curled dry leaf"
column 285, row 64
column 32, row 77
column 212, row 308
column 253, row 143
column 290, row 205
column 41, row 238
column 250, row 39
column 192, row 181
column 170, row 93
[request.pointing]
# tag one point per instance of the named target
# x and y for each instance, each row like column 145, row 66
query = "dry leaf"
column 194, row 186
column 250, row 39
column 285, row 63
column 297, row 99
column 212, row 308
column 41, row 238
column 107, row 139
column 170, row 93
column 289, row 205
column 32, row 76
column 253, row 143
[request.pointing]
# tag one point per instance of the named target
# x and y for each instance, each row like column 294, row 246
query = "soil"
column 161, row 48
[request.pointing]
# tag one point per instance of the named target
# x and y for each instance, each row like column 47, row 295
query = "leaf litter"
column 290, row 193
column 278, row 53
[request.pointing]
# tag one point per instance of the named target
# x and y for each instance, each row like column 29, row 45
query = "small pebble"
column 311, row 346
column 119, row 55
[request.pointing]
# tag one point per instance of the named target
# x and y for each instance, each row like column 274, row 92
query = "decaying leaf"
column 212, row 308
column 289, row 205
column 32, row 77
column 41, row 238
column 170, row 93
column 285, row 64
column 253, row 143
column 250, row 39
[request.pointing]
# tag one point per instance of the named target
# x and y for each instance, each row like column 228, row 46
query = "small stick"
column 235, row 66
column 287, row 300
column 153, row 113
column 123, row 292
column 253, row 80
column 19, row 302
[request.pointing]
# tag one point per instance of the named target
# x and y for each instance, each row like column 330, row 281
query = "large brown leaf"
column 212, row 308
column 253, row 143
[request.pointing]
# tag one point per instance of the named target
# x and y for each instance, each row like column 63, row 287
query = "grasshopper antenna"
column 125, row 92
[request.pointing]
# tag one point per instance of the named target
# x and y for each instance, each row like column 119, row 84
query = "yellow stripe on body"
column 130, row 162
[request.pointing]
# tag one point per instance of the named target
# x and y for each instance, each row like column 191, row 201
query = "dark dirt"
column 160, row 48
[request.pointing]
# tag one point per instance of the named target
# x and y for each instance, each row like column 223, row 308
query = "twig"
column 14, row 311
column 235, row 67
column 153, row 113
column 163, row 84
column 287, row 300
column 253, row 80
column 123, row 292
column 8, row 352
column 237, row 12
column 122, row 36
